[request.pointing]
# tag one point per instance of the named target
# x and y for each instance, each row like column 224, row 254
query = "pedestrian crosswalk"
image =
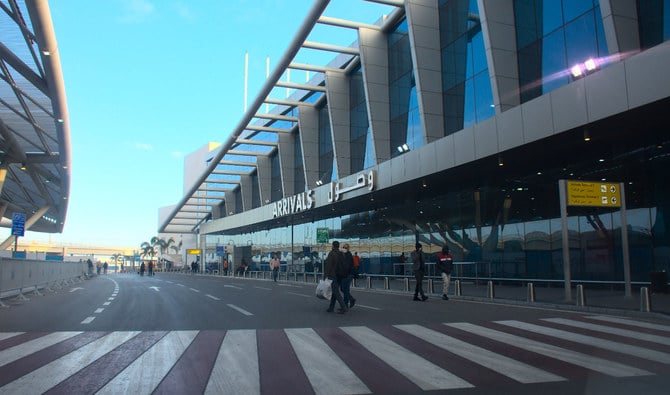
column 404, row 358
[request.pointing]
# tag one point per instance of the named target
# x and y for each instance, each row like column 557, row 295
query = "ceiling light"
column 23, row 166
column 587, row 135
column 590, row 64
column 576, row 71
column 500, row 161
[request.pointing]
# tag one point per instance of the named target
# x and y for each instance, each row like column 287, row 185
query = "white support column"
column 424, row 26
column 373, row 46
column 620, row 22
column 337, row 92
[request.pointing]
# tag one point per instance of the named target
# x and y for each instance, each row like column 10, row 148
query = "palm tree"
column 116, row 258
column 150, row 248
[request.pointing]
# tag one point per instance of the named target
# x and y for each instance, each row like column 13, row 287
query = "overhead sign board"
column 593, row 194
column 18, row 224
column 193, row 251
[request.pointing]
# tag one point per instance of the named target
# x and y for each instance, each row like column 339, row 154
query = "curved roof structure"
column 257, row 135
column 34, row 126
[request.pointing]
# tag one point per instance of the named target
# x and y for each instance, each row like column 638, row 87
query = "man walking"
column 419, row 267
column 275, row 268
column 445, row 264
column 334, row 271
column 348, row 277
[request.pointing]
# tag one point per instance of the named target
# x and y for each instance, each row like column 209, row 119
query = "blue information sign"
column 219, row 251
column 18, row 224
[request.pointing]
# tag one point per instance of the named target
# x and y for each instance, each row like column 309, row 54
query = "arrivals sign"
column 593, row 194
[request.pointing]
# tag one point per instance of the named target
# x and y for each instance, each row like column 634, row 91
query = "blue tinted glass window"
column 549, row 14
column 358, row 118
column 526, row 27
column 573, row 9
column 553, row 61
column 578, row 49
column 571, row 32
column 325, row 146
column 483, row 97
column 402, row 106
column 654, row 22
column 478, row 53
column 463, row 58
column 469, row 117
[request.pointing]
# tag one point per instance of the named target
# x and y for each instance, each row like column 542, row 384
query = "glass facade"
column 361, row 152
column 654, row 22
column 326, row 155
column 466, row 86
column 502, row 222
column 552, row 36
column 505, row 227
column 405, row 118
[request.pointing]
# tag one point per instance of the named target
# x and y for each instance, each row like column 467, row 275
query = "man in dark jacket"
column 334, row 271
column 348, row 276
column 445, row 263
column 419, row 268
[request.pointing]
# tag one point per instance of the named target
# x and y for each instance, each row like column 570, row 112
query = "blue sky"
column 149, row 81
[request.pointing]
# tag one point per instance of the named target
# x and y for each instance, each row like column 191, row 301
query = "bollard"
column 645, row 300
column 387, row 286
column 430, row 286
column 530, row 297
column 581, row 298
column 490, row 292
column 458, row 291
column 369, row 282
column 406, row 284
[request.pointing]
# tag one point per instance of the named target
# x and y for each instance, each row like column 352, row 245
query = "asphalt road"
column 159, row 334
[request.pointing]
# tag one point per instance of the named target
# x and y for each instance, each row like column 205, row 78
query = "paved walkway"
column 610, row 300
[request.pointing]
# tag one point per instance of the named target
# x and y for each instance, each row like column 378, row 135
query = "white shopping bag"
column 324, row 290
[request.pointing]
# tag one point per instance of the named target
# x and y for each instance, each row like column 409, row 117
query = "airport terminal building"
column 458, row 123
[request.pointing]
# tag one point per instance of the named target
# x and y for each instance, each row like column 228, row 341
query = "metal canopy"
column 34, row 125
column 263, row 126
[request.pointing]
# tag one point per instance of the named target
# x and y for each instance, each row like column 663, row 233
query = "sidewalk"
column 594, row 299
column 603, row 300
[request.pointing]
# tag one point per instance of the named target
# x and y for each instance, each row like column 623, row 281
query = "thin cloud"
column 177, row 154
column 136, row 11
column 184, row 11
column 143, row 146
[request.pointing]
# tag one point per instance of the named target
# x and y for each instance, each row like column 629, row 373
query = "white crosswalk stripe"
column 313, row 351
column 425, row 374
column 509, row 367
column 30, row 347
column 614, row 331
column 241, row 362
column 40, row 380
column 143, row 375
column 236, row 366
column 640, row 352
column 594, row 363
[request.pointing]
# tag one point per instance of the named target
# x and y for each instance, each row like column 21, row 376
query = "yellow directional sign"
column 193, row 251
column 595, row 194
